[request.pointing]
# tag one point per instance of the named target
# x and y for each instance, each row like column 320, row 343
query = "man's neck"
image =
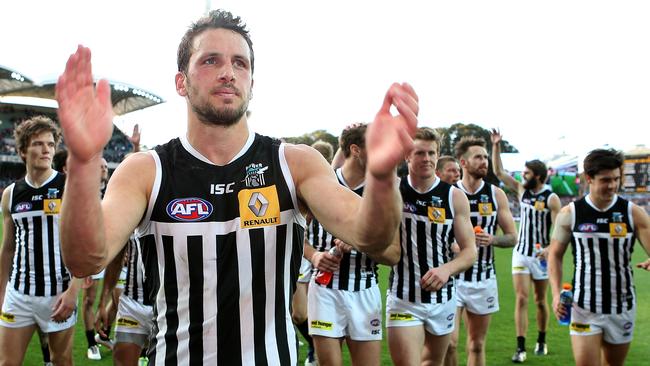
column 218, row 144
column 470, row 183
column 354, row 175
column 420, row 183
column 37, row 177
column 600, row 202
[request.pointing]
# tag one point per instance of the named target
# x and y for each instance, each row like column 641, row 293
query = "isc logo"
column 189, row 209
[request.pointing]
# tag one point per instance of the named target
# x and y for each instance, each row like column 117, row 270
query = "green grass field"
column 501, row 336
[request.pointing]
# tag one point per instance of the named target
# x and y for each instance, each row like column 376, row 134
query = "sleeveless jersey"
column 426, row 235
column 535, row 221
column 483, row 212
column 221, row 248
column 133, row 286
column 602, row 243
column 356, row 270
column 38, row 268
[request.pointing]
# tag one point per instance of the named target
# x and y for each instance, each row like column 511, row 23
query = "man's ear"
column 180, row 84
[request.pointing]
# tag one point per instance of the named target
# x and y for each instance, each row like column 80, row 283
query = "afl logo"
column 587, row 228
column 23, row 206
column 189, row 209
column 490, row 299
column 375, row 322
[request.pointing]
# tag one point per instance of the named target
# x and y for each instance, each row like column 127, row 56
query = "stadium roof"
column 126, row 98
column 13, row 80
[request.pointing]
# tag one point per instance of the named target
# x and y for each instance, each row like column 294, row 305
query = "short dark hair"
column 59, row 160
column 324, row 148
column 215, row 19
column 34, row 126
column 353, row 136
column 538, row 168
column 465, row 143
column 443, row 160
column 602, row 159
column 428, row 134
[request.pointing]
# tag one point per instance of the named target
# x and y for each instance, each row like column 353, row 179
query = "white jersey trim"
column 190, row 149
column 288, row 178
column 591, row 203
column 48, row 180
column 433, row 185
column 11, row 197
column 339, row 174
column 155, row 188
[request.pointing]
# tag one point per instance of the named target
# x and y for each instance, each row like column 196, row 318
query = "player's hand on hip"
column 85, row 111
column 64, row 306
column 390, row 138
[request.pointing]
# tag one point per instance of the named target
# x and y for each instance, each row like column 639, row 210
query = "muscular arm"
column 368, row 223
column 501, row 173
column 506, row 223
column 8, row 244
column 101, row 235
column 642, row 228
column 464, row 234
column 390, row 256
column 559, row 241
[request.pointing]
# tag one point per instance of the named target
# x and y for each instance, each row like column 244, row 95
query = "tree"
column 310, row 138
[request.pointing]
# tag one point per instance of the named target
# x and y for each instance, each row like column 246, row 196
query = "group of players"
column 36, row 289
column 219, row 218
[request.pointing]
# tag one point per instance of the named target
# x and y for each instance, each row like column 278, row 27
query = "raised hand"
column 85, row 112
column 495, row 136
column 390, row 138
column 135, row 138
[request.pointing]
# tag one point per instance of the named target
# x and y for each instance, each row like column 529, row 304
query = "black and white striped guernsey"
column 133, row 286
column 221, row 249
column 426, row 235
column 535, row 221
column 356, row 270
column 483, row 212
column 38, row 268
column 602, row 242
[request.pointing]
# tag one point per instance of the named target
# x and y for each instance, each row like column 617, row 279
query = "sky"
column 555, row 76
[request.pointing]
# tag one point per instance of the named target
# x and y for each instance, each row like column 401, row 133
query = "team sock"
column 45, row 349
column 521, row 343
column 304, row 330
column 90, row 337
column 541, row 337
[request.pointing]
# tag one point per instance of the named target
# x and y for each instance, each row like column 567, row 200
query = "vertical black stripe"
column 258, row 290
column 195, row 269
column 170, row 288
column 228, row 326
column 421, row 246
column 281, row 341
column 344, row 271
column 530, row 218
column 50, row 252
column 27, row 284
column 409, row 255
column 435, row 252
column 629, row 245
column 605, row 278
column 39, row 273
column 399, row 290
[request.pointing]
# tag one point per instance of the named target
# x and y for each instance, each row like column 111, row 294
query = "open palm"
column 390, row 138
column 85, row 112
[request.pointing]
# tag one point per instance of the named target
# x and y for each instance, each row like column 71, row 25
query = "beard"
column 210, row 115
column 478, row 173
column 531, row 183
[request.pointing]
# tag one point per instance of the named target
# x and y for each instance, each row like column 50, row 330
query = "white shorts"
column 305, row 271
column 133, row 317
column 438, row 319
column 20, row 310
column 99, row 275
column 522, row 264
column 480, row 298
column 339, row 313
column 122, row 280
column 616, row 328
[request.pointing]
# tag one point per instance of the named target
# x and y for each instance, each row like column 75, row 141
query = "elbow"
column 83, row 266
